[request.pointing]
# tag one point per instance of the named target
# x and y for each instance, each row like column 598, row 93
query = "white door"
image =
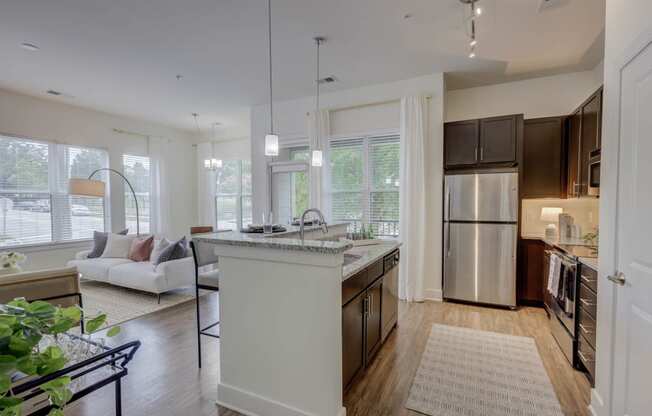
column 632, row 347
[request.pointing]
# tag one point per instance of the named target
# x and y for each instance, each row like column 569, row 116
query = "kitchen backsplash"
column 585, row 212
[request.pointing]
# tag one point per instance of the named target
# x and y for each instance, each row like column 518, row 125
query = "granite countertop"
column 368, row 255
column 281, row 241
column 555, row 242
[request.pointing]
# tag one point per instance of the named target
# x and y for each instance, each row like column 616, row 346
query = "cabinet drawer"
column 374, row 271
column 354, row 285
column 587, row 326
column 588, row 300
column 589, row 277
column 586, row 354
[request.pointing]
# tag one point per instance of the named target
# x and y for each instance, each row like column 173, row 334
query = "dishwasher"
column 389, row 299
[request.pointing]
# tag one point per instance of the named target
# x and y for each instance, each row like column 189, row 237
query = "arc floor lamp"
column 95, row 188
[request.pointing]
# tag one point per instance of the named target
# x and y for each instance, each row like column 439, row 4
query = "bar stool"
column 204, row 255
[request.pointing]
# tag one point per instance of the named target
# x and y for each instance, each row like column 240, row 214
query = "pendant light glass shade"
column 317, row 158
column 212, row 164
column 271, row 145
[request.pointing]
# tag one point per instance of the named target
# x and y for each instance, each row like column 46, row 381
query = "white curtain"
column 413, row 218
column 318, row 138
column 206, row 186
column 159, row 156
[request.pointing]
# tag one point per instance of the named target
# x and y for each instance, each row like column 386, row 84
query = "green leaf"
column 10, row 406
column 57, row 383
column 56, row 412
column 61, row 325
column 9, row 320
column 94, row 324
column 41, row 308
column 19, row 346
column 5, row 331
column 5, row 383
column 58, row 391
column 73, row 313
column 20, row 303
column 50, row 360
column 27, row 365
column 7, row 364
column 113, row 331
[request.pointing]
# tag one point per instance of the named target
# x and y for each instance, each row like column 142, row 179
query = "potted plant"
column 23, row 325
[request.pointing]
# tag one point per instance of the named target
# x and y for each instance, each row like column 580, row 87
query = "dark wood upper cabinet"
column 544, row 166
column 591, row 125
column 573, row 155
column 497, row 139
column 461, row 143
column 487, row 142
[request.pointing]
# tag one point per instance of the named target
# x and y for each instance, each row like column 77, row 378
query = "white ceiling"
column 122, row 56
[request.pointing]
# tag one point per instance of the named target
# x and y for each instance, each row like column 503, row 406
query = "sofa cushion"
column 159, row 246
column 138, row 275
column 99, row 242
column 117, row 246
column 175, row 251
column 96, row 269
column 141, row 248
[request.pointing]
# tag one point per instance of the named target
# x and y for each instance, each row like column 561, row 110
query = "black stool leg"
column 118, row 398
column 198, row 325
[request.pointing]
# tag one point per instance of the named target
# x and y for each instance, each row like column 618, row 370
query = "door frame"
column 602, row 394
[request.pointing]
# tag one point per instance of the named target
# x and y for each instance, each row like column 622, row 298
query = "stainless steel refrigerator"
column 480, row 233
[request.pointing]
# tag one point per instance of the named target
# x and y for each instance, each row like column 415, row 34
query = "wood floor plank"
column 164, row 380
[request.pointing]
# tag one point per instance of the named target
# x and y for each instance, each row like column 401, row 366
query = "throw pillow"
column 159, row 246
column 117, row 246
column 99, row 243
column 176, row 250
column 141, row 248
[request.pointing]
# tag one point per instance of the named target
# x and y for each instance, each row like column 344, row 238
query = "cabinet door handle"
column 482, row 153
column 371, row 304
column 476, row 153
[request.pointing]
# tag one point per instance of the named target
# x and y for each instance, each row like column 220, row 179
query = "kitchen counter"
column 555, row 242
column 286, row 240
column 368, row 255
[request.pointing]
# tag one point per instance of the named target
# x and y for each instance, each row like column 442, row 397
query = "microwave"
column 594, row 173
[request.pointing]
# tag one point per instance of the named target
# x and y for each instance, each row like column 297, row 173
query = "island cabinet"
column 486, row 142
column 530, row 284
column 366, row 310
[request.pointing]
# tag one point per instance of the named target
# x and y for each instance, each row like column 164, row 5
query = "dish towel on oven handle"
column 554, row 275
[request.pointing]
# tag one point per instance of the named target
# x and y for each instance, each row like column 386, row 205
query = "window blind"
column 364, row 177
column 35, row 206
column 233, row 202
column 137, row 170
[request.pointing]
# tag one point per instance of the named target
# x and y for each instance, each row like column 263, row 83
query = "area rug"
column 122, row 304
column 477, row 373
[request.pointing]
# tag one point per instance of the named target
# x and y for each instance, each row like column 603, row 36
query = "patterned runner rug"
column 477, row 373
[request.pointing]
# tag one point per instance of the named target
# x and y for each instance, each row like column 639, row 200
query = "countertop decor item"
column 10, row 262
column 551, row 216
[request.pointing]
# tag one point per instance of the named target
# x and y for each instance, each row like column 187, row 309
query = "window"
column 233, row 203
column 35, row 206
column 364, row 176
column 137, row 170
column 299, row 191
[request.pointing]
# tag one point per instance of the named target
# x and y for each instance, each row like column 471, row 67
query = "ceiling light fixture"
column 213, row 164
column 271, row 139
column 29, row 46
column 475, row 12
column 317, row 159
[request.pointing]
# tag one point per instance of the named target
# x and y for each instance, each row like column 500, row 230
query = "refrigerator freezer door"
column 480, row 263
column 481, row 197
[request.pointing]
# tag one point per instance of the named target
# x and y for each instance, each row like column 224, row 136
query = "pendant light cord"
column 269, row 38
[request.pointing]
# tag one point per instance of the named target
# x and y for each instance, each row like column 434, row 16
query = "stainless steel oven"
column 594, row 173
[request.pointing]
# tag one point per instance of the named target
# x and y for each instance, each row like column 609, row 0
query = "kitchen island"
column 281, row 319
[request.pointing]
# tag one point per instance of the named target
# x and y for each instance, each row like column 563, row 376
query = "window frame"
column 129, row 196
column 56, row 164
column 367, row 187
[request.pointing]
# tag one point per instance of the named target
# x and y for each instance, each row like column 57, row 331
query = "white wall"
column 359, row 110
column 538, row 97
column 230, row 149
column 625, row 22
column 42, row 119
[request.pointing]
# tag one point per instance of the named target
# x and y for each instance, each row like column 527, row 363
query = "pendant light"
column 317, row 159
column 271, row 139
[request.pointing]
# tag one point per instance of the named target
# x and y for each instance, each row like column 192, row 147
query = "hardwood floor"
column 164, row 380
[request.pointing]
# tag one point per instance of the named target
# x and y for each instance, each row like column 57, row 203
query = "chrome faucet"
column 321, row 221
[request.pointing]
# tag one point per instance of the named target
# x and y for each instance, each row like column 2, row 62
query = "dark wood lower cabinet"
column 374, row 302
column 352, row 338
column 530, row 284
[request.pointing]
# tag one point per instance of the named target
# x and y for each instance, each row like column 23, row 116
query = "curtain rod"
column 351, row 107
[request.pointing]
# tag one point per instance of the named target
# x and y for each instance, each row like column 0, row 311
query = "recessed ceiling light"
column 407, row 16
column 478, row 11
column 29, row 46
column 179, row 76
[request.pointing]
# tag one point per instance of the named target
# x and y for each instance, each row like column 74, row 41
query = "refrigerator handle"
column 448, row 204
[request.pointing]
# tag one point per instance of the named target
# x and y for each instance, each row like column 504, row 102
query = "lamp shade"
column 86, row 187
column 550, row 214
column 271, row 145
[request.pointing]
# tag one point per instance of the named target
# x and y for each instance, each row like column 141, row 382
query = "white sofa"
column 142, row 276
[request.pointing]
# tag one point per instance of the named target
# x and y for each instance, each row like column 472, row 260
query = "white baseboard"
column 251, row 404
column 433, row 294
column 596, row 407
